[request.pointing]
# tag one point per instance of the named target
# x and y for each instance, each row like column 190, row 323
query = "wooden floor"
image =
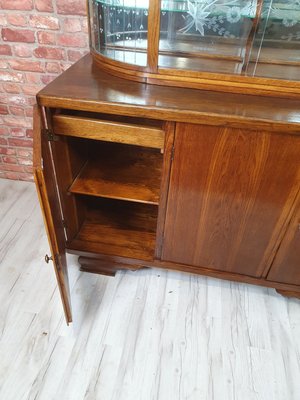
column 142, row 335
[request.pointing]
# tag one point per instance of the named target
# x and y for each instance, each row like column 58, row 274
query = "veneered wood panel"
column 286, row 266
column 110, row 131
column 121, row 172
column 47, row 192
column 230, row 195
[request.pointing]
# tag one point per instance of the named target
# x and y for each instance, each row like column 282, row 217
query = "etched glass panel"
column 208, row 35
column 276, row 47
column 243, row 37
column 119, row 29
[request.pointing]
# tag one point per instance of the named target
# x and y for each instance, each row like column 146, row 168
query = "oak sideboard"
column 131, row 175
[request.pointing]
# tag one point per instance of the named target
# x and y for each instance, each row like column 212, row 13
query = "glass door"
column 240, row 37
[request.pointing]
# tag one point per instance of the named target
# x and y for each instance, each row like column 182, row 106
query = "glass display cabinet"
column 200, row 42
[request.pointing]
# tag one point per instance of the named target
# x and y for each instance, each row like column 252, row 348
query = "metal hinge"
column 172, row 153
column 51, row 137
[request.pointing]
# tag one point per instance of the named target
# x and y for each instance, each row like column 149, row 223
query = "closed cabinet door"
column 230, row 195
column 286, row 266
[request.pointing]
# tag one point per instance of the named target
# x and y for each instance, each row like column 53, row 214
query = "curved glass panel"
column 120, row 29
column 243, row 37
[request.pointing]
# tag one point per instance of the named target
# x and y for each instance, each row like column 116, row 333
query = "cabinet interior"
column 114, row 192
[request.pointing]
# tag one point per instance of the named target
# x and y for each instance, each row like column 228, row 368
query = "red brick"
column 27, row 168
column 24, row 161
column 49, row 53
column 16, row 100
column 19, row 111
column 24, row 153
column 32, row 77
column 17, row 132
column 11, row 87
column 31, row 100
column 16, row 4
column 69, row 40
column 22, row 50
column 46, row 37
column 44, row 5
column 18, row 35
column 3, row 131
column 85, row 25
column 3, row 142
column 29, row 112
column 3, row 109
column 72, row 25
column 5, row 50
column 26, row 176
column 47, row 79
column 9, row 160
column 18, row 20
column 43, row 22
column 7, row 151
column 11, row 175
column 3, row 98
column 53, row 67
column 20, row 142
column 72, row 7
column 3, row 65
column 3, row 20
column 11, row 167
column 29, row 133
column 16, row 122
column 26, row 65
column 31, row 89
column 11, row 76
column 74, row 55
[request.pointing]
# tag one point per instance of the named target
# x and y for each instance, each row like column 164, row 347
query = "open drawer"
column 126, row 130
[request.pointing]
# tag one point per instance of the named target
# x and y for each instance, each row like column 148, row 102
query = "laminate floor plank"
column 145, row 335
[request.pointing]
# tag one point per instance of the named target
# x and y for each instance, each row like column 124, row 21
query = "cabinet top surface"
column 85, row 87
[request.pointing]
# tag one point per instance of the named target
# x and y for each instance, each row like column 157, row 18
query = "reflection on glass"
column 242, row 37
column 245, row 37
column 119, row 29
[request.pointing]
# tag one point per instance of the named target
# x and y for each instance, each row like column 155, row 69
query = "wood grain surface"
column 121, row 172
column 85, row 87
column 151, row 334
column 230, row 197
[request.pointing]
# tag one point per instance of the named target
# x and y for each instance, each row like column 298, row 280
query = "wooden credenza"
column 131, row 175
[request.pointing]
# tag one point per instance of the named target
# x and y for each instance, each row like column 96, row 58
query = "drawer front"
column 109, row 131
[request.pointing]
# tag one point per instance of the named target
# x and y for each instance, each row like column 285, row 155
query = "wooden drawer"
column 139, row 133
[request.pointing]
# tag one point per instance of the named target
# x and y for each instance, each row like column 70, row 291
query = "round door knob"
column 47, row 258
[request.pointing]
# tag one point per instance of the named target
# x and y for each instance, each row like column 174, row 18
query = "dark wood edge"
column 48, row 222
column 200, row 80
column 164, row 189
column 37, row 146
column 153, row 36
column 131, row 264
column 175, row 115
column 105, row 266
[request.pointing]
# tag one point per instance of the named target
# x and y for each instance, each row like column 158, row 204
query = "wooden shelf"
column 119, row 228
column 121, row 172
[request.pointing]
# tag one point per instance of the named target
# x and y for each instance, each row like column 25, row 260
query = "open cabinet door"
column 48, row 195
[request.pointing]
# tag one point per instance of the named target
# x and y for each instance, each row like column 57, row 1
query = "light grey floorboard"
column 146, row 335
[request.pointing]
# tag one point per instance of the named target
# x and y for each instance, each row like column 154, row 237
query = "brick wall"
column 39, row 40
